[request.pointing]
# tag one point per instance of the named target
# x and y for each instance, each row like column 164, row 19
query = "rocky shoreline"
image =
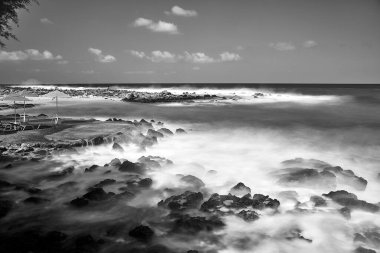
column 48, row 209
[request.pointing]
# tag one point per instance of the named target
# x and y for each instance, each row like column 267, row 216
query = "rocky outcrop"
column 351, row 201
column 240, row 190
column 184, row 201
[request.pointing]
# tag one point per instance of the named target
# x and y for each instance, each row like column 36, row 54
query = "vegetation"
column 9, row 17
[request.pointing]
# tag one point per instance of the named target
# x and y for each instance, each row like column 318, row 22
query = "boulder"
column 142, row 233
column 115, row 162
column 60, row 174
column 97, row 194
column 193, row 181
column 154, row 161
column 364, row 250
column 308, row 178
column 184, row 201
column 137, row 168
column 153, row 133
column 351, row 201
column 248, row 215
column 116, row 146
column 165, row 131
column 240, row 190
column 79, row 202
column 192, row 225
column 180, row 131
column 318, row 201
column 105, row 182
column 91, row 169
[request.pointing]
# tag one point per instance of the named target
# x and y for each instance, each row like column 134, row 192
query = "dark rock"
column 116, row 146
column 248, row 215
column 184, row 201
column 5, row 184
column 97, row 194
column 91, row 169
column 240, row 190
column 194, row 181
column 351, row 201
column 318, row 201
column 188, row 224
column 261, row 202
column 35, row 200
column 154, row 161
column 364, row 250
column 97, row 140
column 5, row 207
column 137, row 168
column 348, row 177
column 153, row 133
column 79, row 202
column 305, row 163
column 143, row 233
column 145, row 182
column 346, row 212
column 165, row 131
column 105, row 182
column 309, row 178
column 180, row 131
column 115, row 162
column 60, row 174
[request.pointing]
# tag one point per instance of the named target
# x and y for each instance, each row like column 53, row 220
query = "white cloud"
column 178, row 11
column 197, row 57
column 283, row 46
column 31, row 81
column 46, row 21
column 227, row 56
column 160, row 26
column 309, row 44
column 100, row 57
column 28, row 54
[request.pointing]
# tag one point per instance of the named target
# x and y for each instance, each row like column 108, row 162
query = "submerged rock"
column 60, row 174
column 143, row 233
column 154, row 161
column 180, row 131
column 154, row 133
column 193, row 181
column 188, row 224
column 116, row 146
column 105, row 182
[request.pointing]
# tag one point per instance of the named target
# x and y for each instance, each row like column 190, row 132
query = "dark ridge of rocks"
column 105, row 182
column 307, row 178
column 193, row 181
column 351, row 201
column 165, row 131
column 263, row 201
column 60, row 174
column 318, row 201
column 184, row 201
column 91, row 169
column 35, row 200
column 364, row 250
column 5, row 207
column 116, row 146
column 192, row 225
column 142, row 233
column 97, row 194
column 180, row 131
column 240, row 190
column 140, row 182
column 130, row 167
column 154, row 133
column 248, row 215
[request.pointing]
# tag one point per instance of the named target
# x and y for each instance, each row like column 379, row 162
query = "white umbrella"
column 25, row 93
column 55, row 95
column 15, row 98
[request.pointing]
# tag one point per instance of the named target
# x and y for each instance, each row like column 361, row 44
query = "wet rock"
column 154, row 161
column 262, row 202
column 115, row 162
column 35, row 200
column 143, row 233
column 248, row 215
column 184, row 201
column 5, row 207
column 97, row 194
column 153, row 133
column 188, row 224
column 364, row 250
column 346, row 212
column 180, row 131
column 60, row 174
column 240, row 190
column 91, row 169
column 309, row 178
column 97, row 140
column 351, row 201
column 105, row 182
column 194, row 181
column 348, row 177
column 116, row 146
column 139, row 182
column 216, row 202
column 318, row 201
column 79, row 202
column 165, row 131
column 305, row 163
column 148, row 141
column 137, row 168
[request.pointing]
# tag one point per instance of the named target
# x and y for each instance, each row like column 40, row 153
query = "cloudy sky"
column 153, row 41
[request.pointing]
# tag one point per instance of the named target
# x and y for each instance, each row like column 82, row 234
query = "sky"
column 197, row 41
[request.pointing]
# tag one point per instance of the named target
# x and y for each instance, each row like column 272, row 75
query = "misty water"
column 243, row 140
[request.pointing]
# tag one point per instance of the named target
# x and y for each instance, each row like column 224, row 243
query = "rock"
column 105, row 182
column 309, row 178
column 79, row 202
column 154, row 161
column 137, row 168
column 240, row 190
column 296, row 234
column 116, row 146
column 248, row 215
column 91, row 169
column 192, row 225
column 364, row 250
column 35, row 200
column 153, row 133
column 143, row 233
column 60, row 174
column 305, row 163
column 97, row 140
column 180, row 131
column 145, row 182
column 5, row 207
column 318, row 201
column 5, row 184
column 346, row 212
column 97, row 194
column 192, row 180
column 348, row 177
column 115, row 162
column 184, row 201
column 165, row 131
column 351, row 201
